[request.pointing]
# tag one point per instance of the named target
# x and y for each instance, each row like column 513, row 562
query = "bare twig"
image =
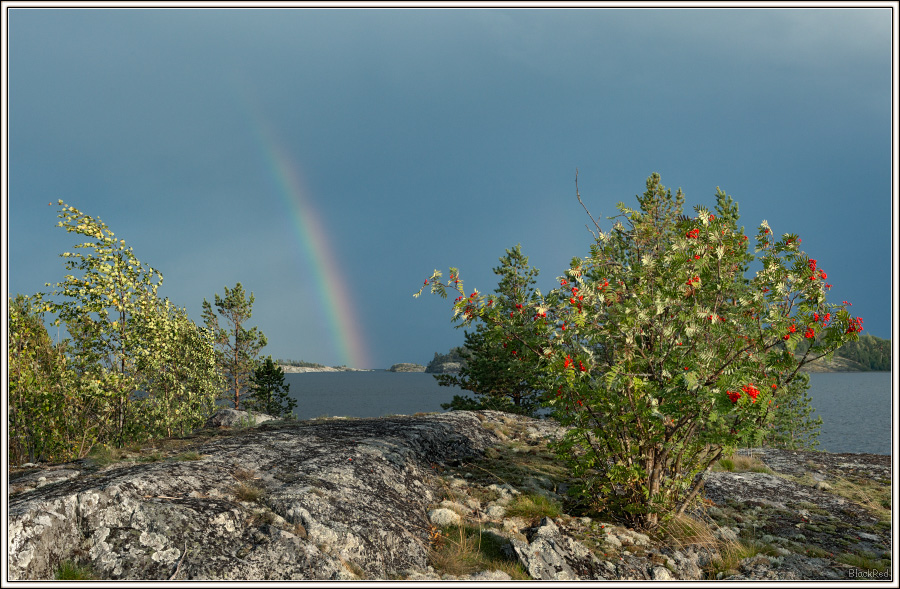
column 181, row 560
column 578, row 195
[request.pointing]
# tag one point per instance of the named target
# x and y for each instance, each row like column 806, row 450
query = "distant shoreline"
column 301, row 369
column 836, row 365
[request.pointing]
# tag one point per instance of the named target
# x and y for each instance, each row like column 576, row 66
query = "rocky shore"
column 836, row 364
column 459, row 495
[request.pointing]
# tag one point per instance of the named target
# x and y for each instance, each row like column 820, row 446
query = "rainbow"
column 345, row 330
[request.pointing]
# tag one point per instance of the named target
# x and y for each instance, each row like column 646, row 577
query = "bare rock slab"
column 336, row 499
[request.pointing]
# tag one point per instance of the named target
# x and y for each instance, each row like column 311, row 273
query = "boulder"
column 549, row 555
column 235, row 418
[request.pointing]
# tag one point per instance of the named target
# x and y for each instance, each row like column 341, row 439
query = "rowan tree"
column 661, row 354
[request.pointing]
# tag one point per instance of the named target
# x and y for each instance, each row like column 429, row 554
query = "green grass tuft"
column 71, row 571
column 533, row 506
column 865, row 561
column 191, row 455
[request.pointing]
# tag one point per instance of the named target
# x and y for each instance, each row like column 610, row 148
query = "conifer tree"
column 269, row 392
column 494, row 370
column 237, row 348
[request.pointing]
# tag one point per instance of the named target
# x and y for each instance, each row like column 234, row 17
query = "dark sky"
column 330, row 160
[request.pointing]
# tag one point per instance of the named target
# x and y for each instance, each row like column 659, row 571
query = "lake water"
column 856, row 408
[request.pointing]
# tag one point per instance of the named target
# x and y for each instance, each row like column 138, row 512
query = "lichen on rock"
column 349, row 499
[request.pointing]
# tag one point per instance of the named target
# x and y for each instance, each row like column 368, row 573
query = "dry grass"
column 261, row 518
column 190, row 455
column 464, row 550
column 249, row 493
column 244, row 474
column 684, row 530
column 353, row 568
column 740, row 463
column 876, row 498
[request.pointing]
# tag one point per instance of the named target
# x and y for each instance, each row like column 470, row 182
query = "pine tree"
column 269, row 393
column 493, row 368
column 237, row 347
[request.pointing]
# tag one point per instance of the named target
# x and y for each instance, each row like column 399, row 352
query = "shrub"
column 660, row 353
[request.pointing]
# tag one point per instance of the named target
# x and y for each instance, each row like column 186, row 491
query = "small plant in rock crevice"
column 188, row 456
column 739, row 463
column 105, row 455
column 248, row 493
column 533, row 507
column 465, row 550
column 72, row 571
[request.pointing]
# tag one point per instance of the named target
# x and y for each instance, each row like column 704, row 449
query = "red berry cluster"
column 791, row 329
column 820, row 274
column 576, row 299
column 693, row 234
column 855, row 325
column 751, row 391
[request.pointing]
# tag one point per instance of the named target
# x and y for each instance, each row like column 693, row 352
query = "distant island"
column 300, row 369
column 449, row 363
column 299, row 366
column 406, row 367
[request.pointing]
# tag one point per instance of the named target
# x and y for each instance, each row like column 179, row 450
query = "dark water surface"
column 856, row 408
column 366, row 394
